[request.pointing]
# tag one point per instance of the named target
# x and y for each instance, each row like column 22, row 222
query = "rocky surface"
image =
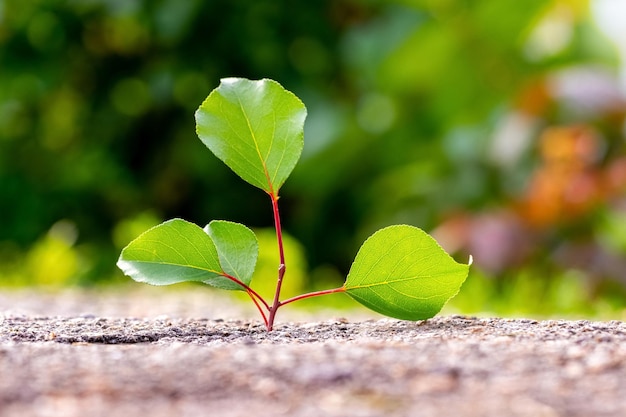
column 76, row 354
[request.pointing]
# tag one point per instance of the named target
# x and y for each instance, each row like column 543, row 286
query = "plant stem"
column 313, row 294
column 281, row 267
column 253, row 294
column 276, row 304
column 255, row 300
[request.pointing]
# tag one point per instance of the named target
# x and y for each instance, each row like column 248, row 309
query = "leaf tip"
column 229, row 80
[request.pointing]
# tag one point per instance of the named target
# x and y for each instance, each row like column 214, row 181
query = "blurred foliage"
column 495, row 123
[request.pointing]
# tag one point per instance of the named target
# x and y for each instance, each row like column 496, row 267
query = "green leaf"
column 237, row 248
column 254, row 127
column 175, row 251
column 401, row 272
column 179, row 251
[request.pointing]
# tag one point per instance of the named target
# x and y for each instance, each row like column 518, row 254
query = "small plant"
column 257, row 129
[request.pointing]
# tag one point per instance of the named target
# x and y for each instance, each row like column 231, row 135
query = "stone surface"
column 76, row 354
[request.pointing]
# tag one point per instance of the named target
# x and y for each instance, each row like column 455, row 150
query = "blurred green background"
column 496, row 125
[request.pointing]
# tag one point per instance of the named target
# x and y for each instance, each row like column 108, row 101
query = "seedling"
column 257, row 129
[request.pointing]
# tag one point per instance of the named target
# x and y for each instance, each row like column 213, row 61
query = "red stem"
column 281, row 267
column 253, row 294
column 313, row 294
column 258, row 306
column 276, row 304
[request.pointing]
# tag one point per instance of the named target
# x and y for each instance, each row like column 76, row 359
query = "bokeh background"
column 496, row 125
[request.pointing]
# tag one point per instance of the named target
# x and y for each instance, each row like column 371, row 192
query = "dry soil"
column 184, row 354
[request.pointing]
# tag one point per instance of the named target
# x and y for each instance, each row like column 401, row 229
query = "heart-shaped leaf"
column 178, row 251
column 237, row 248
column 400, row 271
column 254, row 127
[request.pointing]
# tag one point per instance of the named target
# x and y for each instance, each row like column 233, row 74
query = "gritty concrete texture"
column 76, row 354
